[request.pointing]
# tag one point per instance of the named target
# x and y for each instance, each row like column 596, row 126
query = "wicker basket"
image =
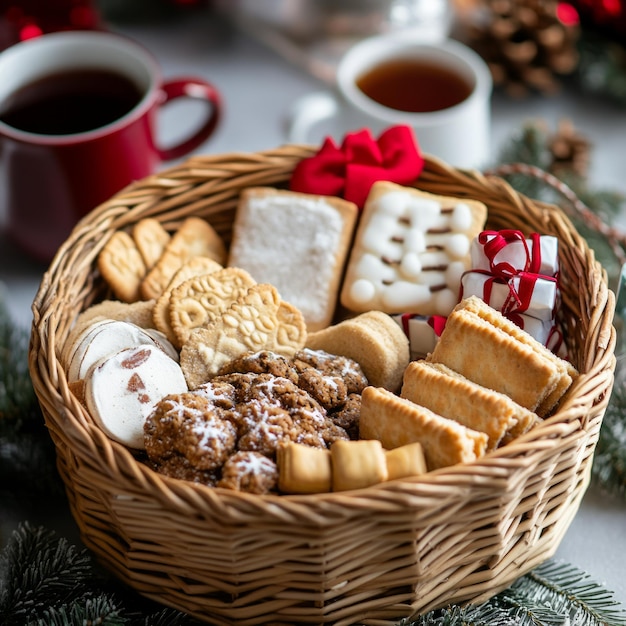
column 370, row 556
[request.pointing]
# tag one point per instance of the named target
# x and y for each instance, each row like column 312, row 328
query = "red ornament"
column 26, row 19
column 605, row 16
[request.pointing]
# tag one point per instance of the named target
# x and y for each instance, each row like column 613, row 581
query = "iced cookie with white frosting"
column 410, row 251
column 105, row 337
column 122, row 389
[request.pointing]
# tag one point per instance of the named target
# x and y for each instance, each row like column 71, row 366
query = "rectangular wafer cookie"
column 448, row 393
column 396, row 421
column 567, row 372
column 484, row 346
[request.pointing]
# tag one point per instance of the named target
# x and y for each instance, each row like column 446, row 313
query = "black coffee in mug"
column 70, row 102
column 414, row 85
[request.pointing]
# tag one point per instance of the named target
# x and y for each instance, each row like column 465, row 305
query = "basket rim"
column 51, row 386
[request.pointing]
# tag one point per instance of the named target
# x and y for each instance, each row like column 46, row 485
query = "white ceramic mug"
column 458, row 134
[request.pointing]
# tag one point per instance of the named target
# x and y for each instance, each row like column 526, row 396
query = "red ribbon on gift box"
column 519, row 298
column 350, row 170
column 493, row 241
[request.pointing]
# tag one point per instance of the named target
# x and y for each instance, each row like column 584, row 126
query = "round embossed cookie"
column 202, row 299
column 122, row 389
column 196, row 266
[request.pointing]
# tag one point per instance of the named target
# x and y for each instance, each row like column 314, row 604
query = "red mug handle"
column 196, row 89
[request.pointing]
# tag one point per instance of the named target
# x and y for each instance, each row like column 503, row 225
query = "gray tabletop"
column 259, row 87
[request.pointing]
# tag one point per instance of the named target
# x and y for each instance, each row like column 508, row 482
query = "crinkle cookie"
column 250, row 472
column 190, row 427
column 334, row 365
column 262, row 362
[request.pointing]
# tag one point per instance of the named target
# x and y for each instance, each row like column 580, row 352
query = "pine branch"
column 39, row 571
column 45, row 581
column 101, row 611
column 571, row 592
column 553, row 594
column 27, row 455
column 530, row 146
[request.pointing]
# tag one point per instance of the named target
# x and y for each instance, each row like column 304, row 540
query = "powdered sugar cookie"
column 122, row 389
column 297, row 242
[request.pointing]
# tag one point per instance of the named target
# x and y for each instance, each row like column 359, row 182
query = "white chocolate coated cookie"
column 122, row 389
column 105, row 337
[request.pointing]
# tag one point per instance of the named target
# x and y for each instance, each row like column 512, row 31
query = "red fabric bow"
column 350, row 171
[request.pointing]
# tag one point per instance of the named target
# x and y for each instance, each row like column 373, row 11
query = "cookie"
column 374, row 340
column 303, row 469
column 405, row 461
column 202, row 299
column 196, row 266
column 396, row 421
column 443, row 391
column 249, row 325
column 122, row 267
column 189, row 426
column 484, row 346
column 249, row 472
column 410, row 251
column 104, row 337
column 297, row 242
column 195, row 237
column 122, row 389
column 357, row 464
column 138, row 313
column 151, row 239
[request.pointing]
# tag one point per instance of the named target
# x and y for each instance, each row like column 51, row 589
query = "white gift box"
column 530, row 294
column 421, row 334
column 518, row 253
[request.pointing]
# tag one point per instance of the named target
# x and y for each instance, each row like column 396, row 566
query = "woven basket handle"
column 615, row 237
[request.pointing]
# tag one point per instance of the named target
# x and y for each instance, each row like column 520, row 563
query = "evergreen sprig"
column 46, row 581
column 27, row 455
column 530, row 145
column 553, row 594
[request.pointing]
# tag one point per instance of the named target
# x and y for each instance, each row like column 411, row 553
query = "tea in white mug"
column 414, row 85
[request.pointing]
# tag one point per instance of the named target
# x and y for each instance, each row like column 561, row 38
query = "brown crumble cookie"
column 334, row 365
column 275, row 410
column 250, row 472
column 179, row 467
column 348, row 416
column 334, row 381
column 223, row 431
column 263, row 362
column 189, row 425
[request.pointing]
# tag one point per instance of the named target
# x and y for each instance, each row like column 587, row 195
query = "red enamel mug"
column 78, row 122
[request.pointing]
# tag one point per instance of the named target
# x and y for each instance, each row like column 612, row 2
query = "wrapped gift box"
column 531, row 294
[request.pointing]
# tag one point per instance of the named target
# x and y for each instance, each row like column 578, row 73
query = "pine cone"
column 569, row 150
column 525, row 44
